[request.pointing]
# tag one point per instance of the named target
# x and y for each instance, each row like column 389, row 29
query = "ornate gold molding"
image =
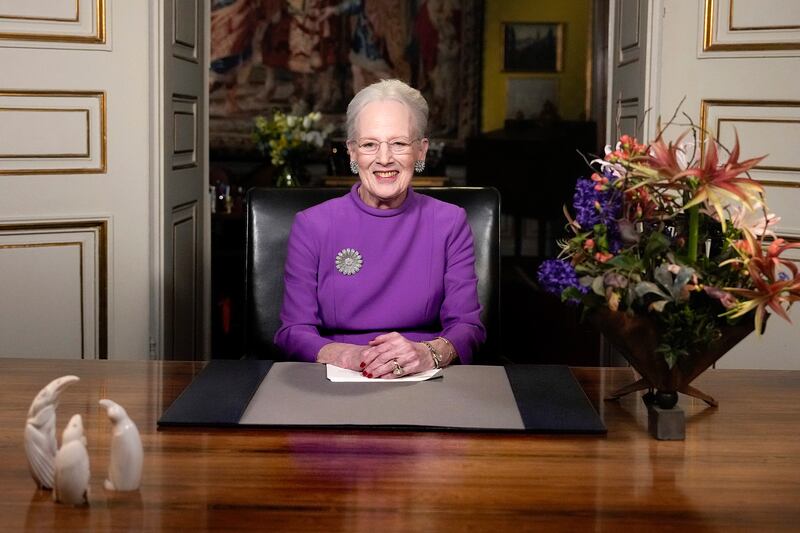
column 705, row 129
column 80, row 270
column 100, row 227
column 74, row 18
column 710, row 24
column 731, row 27
column 763, row 121
column 87, row 153
column 788, row 238
column 98, row 36
column 780, row 184
column 102, row 134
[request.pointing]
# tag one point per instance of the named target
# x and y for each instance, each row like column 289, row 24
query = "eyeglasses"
column 396, row 146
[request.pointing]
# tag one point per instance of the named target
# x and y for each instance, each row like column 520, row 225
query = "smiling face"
column 385, row 175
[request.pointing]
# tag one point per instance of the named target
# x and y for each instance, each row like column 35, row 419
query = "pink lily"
column 721, row 182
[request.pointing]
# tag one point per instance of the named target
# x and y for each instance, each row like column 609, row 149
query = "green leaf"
column 625, row 262
column 586, row 281
column 684, row 276
column 663, row 276
column 571, row 293
column 586, row 269
column 597, row 286
column 644, row 288
column 670, row 356
column 657, row 244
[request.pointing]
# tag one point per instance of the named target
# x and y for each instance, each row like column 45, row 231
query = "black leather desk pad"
column 519, row 398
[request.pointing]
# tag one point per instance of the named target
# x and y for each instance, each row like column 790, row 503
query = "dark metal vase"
column 636, row 338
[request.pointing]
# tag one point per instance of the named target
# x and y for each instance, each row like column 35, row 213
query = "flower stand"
column 637, row 338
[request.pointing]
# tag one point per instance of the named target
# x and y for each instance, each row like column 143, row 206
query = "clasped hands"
column 381, row 357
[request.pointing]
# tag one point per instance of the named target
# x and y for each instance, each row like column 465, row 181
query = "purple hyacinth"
column 598, row 207
column 555, row 275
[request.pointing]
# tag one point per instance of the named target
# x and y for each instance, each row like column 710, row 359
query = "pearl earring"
column 419, row 166
column 353, row 167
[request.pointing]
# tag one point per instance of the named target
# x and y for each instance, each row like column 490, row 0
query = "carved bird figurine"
column 40, row 431
column 125, row 467
column 71, row 482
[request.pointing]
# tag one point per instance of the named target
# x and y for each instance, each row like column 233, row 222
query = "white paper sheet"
column 343, row 375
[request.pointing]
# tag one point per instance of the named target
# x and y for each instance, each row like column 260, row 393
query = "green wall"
column 572, row 80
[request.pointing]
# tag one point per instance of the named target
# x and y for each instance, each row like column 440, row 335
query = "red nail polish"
column 364, row 374
column 363, row 364
column 369, row 376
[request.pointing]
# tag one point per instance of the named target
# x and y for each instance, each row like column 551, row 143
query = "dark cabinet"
column 227, row 285
column 534, row 166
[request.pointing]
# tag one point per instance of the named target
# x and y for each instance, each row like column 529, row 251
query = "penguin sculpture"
column 125, row 467
column 40, row 431
column 71, row 482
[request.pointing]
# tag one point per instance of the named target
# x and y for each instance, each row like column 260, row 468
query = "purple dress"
column 417, row 277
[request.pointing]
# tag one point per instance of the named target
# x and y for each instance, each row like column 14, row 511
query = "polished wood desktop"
column 738, row 469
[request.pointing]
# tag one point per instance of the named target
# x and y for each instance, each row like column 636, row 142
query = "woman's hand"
column 343, row 355
column 384, row 350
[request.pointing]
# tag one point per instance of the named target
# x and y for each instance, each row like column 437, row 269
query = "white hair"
column 390, row 90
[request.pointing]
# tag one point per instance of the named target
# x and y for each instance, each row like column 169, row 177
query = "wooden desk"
column 739, row 467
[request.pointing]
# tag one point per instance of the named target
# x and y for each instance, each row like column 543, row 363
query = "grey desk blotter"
column 468, row 397
column 522, row 398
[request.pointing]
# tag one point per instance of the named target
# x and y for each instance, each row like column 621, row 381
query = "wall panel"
column 184, row 30
column 747, row 83
column 184, row 122
column 771, row 27
column 184, row 281
column 52, row 132
column 764, row 128
column 628, row 45
column 54, row 288
column 53, row 21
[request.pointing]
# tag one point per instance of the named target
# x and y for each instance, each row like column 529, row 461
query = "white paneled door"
column 86, row 121
column 735, row 64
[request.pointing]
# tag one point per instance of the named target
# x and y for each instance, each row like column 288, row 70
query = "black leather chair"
column 270, row 213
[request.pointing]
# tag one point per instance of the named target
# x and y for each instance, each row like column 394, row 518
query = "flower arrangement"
column 658, row 231
column 288, row 139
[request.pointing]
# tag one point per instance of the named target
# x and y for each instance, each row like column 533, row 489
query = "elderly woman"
column 382, row 280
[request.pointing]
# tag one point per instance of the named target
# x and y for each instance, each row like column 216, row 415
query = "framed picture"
column 533, row 46
column 314, row 55
column 531, row 98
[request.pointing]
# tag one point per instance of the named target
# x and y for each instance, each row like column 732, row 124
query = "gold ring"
column 398, row 370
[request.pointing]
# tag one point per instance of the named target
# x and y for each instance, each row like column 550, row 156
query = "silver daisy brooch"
column 348, row 261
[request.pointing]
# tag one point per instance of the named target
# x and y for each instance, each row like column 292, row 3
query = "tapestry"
column 314, row 55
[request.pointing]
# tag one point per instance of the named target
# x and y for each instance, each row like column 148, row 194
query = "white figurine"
column 72, row 466
column 125, row 468
column 40, row 431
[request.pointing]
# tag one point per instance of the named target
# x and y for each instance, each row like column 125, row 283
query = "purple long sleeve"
column 417, row 277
